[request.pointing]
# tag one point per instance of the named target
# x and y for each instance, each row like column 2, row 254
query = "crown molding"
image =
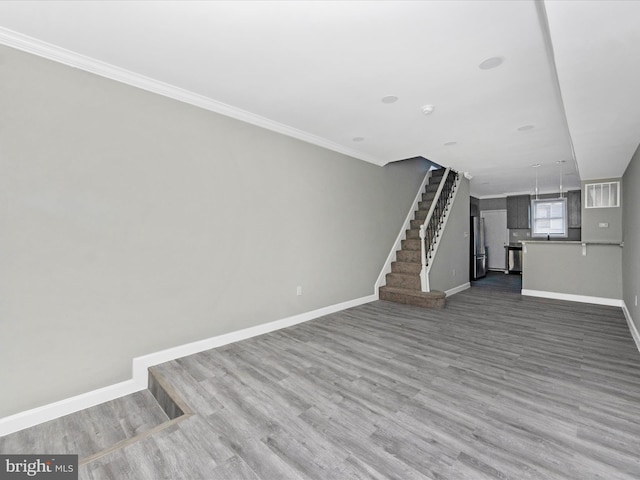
column 76, row 60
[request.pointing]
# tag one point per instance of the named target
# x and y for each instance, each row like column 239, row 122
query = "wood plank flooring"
column 495, row 386
column 89, row 431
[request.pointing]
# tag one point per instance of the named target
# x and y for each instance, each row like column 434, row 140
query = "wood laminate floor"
column 90, row 431
column 495, row 386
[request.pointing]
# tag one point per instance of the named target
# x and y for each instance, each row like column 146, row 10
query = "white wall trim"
column 98, row 67
column 458, row 289
column 35, row 416
column 632, row 326
column 611, row 302
column 386, row 268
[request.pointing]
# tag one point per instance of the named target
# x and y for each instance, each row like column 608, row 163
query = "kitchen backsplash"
column 516, row 235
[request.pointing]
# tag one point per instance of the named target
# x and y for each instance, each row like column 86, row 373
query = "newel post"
column 424, row 280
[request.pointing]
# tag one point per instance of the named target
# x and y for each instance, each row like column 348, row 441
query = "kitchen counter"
column 569, row 242
column 573, row 270
column 550, row 241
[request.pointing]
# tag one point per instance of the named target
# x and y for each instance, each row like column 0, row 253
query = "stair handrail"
column 442, row 212
column 435, row 242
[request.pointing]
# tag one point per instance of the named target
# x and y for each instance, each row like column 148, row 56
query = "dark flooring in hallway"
column 499, row 281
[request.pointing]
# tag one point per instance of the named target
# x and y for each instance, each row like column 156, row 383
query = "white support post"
column 424, row 280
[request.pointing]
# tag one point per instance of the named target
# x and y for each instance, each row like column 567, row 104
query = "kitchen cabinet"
column 518, row 208
column 574, row 206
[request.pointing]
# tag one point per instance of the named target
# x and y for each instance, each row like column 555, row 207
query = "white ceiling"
column 318, row 71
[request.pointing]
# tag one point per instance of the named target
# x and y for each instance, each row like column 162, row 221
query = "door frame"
column 505, row 240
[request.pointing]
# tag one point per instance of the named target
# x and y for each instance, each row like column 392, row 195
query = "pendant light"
column 536, row 166
column 561, row 163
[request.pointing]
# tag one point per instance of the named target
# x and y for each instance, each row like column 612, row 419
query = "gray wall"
column 591, row 217
column 133, row 223
column 631, row 236
column 561, row 268
column 453, row 251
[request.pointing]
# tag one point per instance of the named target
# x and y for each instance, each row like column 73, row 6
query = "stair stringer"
column 386, row 268
column 424, row 274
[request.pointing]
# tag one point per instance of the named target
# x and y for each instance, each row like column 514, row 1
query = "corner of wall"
column 633, row 328
column 631, row 238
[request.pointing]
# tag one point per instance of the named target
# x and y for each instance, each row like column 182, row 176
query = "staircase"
column 403, row 284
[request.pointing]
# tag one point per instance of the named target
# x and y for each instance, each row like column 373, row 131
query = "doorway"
column 496, row 236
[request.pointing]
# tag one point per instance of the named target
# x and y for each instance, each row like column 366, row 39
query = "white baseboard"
column 458, row 289
column 35, row 416
column 632, row 326
column 612, row 302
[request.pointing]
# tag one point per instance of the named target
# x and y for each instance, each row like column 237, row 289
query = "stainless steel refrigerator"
column 478, row 249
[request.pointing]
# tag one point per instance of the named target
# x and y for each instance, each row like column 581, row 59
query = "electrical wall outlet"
column 636, row 300
column 299, row 290
column 603, row 225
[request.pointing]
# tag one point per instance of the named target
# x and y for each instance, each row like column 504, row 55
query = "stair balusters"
column 430, row 229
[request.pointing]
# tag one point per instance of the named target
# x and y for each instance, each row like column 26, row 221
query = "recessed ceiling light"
column 389, row 99
column 448, row 144
column 536, row 165
column 561, row 161
column 490, row 63
column 427, row 109
column 524, row 128
column 358, row 139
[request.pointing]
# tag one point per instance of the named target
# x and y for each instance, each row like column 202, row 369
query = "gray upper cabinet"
column 574, row 205
column 518, row 208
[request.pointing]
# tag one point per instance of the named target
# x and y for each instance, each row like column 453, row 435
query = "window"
column 549, row 217
column 602, row 195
